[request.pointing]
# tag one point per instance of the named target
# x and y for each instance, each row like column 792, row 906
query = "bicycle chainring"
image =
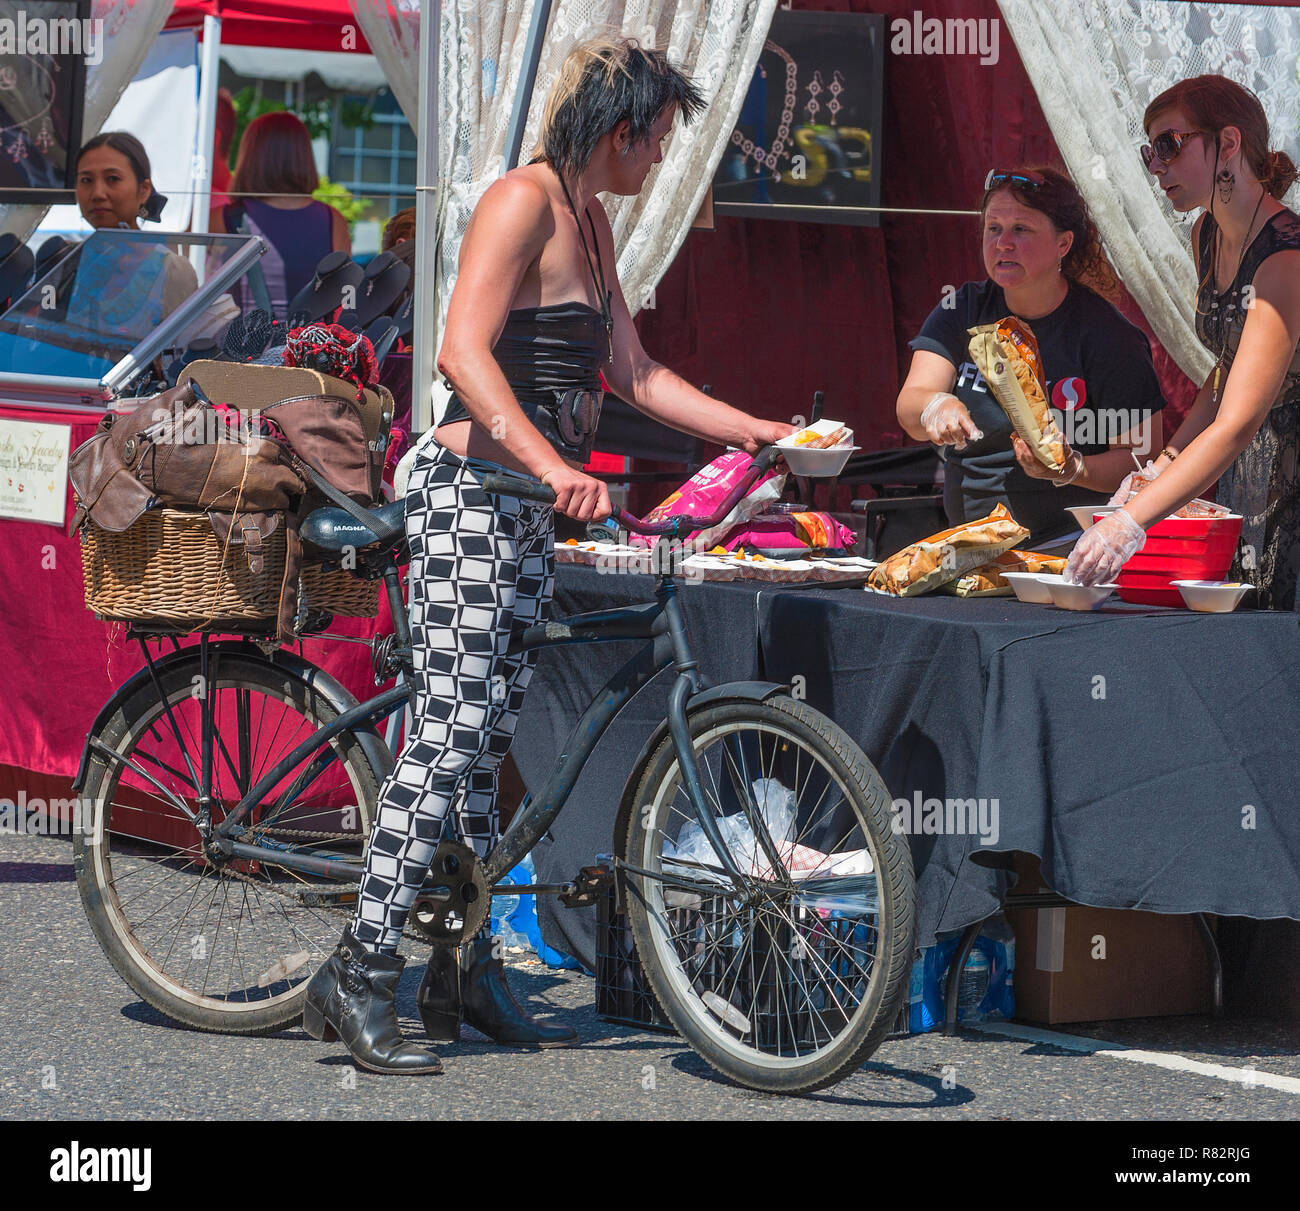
column 454, row 900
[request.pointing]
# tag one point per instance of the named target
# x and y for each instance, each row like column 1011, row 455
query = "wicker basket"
column 339, row 592
column 170, row 566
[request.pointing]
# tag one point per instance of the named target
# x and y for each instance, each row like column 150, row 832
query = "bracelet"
column 543, row 477
column 1168, row 453
column 1078, row 470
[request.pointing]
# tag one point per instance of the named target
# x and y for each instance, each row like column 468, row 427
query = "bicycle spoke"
column 781, row 970
column 211, row 933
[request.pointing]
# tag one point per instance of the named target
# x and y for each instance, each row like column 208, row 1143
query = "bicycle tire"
column 683, row 972
column 93, row 854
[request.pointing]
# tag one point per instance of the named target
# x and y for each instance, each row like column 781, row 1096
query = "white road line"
column 1251, row 1078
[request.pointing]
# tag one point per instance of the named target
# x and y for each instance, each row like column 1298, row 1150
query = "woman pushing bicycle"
column 535, row 319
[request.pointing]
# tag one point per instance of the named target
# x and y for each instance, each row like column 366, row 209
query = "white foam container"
column 1083, row 514
column 1032, row 587
column 816, row 464
column 1212, row 596
column 1079, row 596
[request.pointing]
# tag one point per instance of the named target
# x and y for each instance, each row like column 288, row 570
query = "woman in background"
column 120, row 290
column 1209, row 151
column 1045, row 265
column 275, row 176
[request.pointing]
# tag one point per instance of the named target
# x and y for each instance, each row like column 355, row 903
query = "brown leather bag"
column 342, row 437
column 174, row 449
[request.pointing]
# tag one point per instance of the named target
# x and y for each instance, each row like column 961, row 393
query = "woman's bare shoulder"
column 517, row 197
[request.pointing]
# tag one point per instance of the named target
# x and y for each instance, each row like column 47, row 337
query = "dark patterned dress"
column 1263, row 484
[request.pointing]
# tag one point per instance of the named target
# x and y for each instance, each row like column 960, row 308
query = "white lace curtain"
column 717, row 42
column 130, row 27
column 1095, row 64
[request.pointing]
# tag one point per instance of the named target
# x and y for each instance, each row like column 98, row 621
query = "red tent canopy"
column 292, row 24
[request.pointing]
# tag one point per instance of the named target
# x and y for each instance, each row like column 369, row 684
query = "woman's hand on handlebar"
column 577, row 495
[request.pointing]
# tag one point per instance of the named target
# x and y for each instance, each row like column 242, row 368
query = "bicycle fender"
column 755, row 691
column 321, row 682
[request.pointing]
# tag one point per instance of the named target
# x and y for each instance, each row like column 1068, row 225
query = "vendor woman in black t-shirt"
column 1045, row 266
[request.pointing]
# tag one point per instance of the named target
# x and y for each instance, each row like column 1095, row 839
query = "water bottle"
column 974, row 984
column 504, row 908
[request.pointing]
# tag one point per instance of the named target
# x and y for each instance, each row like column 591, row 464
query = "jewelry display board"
column 807, row 144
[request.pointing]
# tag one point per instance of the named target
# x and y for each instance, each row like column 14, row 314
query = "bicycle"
column 770, row 901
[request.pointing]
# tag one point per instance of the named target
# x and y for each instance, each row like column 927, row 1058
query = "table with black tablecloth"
column 1147, row 756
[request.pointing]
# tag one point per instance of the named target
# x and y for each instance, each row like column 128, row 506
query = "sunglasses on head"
column 1166, row 146
column 1023, row 180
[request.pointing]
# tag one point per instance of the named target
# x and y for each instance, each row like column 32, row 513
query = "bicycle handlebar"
column 510, row 485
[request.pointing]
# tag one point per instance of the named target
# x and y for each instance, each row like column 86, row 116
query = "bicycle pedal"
column 591, row 881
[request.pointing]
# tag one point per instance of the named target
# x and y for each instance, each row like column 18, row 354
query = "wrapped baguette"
column 987, row 580
column 1007, row 356
column 945, row 556
column 820, row 436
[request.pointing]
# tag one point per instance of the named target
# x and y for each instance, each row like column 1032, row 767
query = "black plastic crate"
column 623, row 994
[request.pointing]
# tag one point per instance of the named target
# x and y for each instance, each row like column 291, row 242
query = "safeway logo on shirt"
column 1069, row 394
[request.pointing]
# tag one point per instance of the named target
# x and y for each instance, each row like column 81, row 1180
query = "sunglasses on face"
column 1022, row 180
column 1166, row 146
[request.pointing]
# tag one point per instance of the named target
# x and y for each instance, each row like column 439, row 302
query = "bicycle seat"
column 332, row 529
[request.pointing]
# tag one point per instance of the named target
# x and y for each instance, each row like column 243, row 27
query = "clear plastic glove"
column 1133, row 483
column 1104, row 549
column 947, row 423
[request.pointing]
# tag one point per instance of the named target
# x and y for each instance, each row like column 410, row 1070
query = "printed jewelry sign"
column 34, row 471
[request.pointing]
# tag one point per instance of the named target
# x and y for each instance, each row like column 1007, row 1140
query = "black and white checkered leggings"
column 482, row 570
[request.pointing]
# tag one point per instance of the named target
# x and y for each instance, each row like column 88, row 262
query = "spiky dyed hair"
column 602, row 83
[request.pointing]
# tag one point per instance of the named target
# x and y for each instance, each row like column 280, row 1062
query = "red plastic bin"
column 1179, row 548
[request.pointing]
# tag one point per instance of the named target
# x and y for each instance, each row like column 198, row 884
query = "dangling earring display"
column 1226, row 181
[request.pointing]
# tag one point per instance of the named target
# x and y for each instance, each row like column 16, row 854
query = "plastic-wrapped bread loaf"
column 1007, row 356
column 945, row 556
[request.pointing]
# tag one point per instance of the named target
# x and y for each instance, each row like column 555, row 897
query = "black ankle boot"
column 474, row 990
column 351, row 997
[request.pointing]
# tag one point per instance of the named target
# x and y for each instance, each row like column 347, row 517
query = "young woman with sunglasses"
column 1045, row 265
column 1209, row 151
column 535, row 318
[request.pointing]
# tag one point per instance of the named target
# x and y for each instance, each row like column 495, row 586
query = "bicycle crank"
column 454, row 900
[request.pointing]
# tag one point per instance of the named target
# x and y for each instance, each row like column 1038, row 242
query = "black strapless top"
column 545, row 352
column 542, row 350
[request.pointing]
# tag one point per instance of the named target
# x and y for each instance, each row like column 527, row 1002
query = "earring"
column 1225, row 181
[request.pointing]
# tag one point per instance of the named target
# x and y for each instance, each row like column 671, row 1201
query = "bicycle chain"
column 407, row 932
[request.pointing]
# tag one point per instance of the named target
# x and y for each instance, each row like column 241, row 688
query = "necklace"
column 606, row 314
column 772, row 157
column 1226, row 323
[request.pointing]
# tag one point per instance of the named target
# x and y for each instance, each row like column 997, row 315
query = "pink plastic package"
column 701, row 495
column 794, row 531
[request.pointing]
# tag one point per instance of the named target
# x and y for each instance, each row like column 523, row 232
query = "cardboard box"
column 1081, row 964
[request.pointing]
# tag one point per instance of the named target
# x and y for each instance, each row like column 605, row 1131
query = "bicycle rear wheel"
column 224, row 946
column 790, row 982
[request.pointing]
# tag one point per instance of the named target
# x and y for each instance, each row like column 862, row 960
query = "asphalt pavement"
column 79, row 1044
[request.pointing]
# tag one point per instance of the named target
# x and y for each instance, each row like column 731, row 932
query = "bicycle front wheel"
column 221, row 945
column 790, row 981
